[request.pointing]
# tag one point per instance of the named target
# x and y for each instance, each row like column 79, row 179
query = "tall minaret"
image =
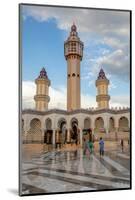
column 42, row 91
column 73, row 51
column 102, row 97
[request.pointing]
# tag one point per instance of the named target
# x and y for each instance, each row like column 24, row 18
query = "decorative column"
column 68, row 136
column 81, row 137
column 57, row 136
column 53, row 139
column 26, row 128
column 116, row 133
column 92, row 125
column 106, row 124
column 25, row 135
column 42, row 135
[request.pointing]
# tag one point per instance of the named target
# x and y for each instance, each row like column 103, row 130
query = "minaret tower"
column 102, row 97
column 73, row 51
column 42, row 91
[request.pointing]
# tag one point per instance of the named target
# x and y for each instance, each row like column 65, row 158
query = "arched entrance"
column 74, row 131
column 62, row 131
column 111, row 124
column 34, row 134
column 123, row 124
column 48, row 131
column 99, row 125
column 87, row 132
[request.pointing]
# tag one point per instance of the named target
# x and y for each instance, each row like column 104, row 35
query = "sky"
column 106, row 38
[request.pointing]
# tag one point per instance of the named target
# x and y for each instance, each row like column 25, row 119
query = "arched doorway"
column 123, row 124
column 99, row 125
column 87, row 132
column 48, row 131
column 62, row 131
column 74, row 131
column 34, row 134
column 111, row 124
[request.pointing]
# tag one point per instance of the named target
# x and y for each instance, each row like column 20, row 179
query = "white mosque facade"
column 58, row 127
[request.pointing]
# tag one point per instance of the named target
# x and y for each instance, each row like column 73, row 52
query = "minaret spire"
column 73, row 51
column 42, row 92
column 102, row 83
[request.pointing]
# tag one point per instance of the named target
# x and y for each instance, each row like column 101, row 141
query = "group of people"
column 89, row 147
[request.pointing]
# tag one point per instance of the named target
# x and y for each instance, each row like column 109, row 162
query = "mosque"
column 58, row 127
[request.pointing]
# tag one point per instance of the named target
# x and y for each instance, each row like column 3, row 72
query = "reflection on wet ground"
column 66, row 171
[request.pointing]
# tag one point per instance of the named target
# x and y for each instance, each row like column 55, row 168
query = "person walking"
column 122, row 145
column 86, row 150
column 91, row 146
column 101, row 146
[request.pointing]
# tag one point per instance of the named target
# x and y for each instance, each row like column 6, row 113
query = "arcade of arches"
column 70, row 132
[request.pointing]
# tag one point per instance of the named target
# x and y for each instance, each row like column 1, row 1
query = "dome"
column 43, row 73
column 101, row 74
column 73, row 27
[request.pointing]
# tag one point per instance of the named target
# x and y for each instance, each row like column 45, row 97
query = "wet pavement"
column 68, row 171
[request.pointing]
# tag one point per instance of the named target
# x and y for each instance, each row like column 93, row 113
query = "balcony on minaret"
column 73, row 46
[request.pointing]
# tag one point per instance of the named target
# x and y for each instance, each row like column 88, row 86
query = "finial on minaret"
column 101, row 74
column 73, row 28
column 43, row 74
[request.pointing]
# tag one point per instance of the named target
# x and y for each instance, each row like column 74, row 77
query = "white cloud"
column 87, row 20
column 95, row 27
column 120, row 101
column 58, row 98
column 28, row 92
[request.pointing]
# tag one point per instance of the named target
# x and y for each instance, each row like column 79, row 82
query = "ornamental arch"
column 48, row 124
column 99, row 124
column 123, row 124
column 87, row 123
column 111, row 124
column 62, row 130
column 34, row 134
column 48, row 133
column 74, row 130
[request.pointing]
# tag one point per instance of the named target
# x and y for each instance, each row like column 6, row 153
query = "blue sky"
column 106, row 45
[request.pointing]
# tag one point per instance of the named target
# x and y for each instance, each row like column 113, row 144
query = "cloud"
column 87, row 20
column 58, row 98
column 120, row 101
column 105, row 35
column 28, row 92
column 116, row 64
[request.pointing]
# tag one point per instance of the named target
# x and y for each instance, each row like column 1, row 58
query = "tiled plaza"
column 69, row 170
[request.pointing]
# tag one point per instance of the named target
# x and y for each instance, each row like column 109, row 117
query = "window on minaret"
column 73, row 46
column 66, row 49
